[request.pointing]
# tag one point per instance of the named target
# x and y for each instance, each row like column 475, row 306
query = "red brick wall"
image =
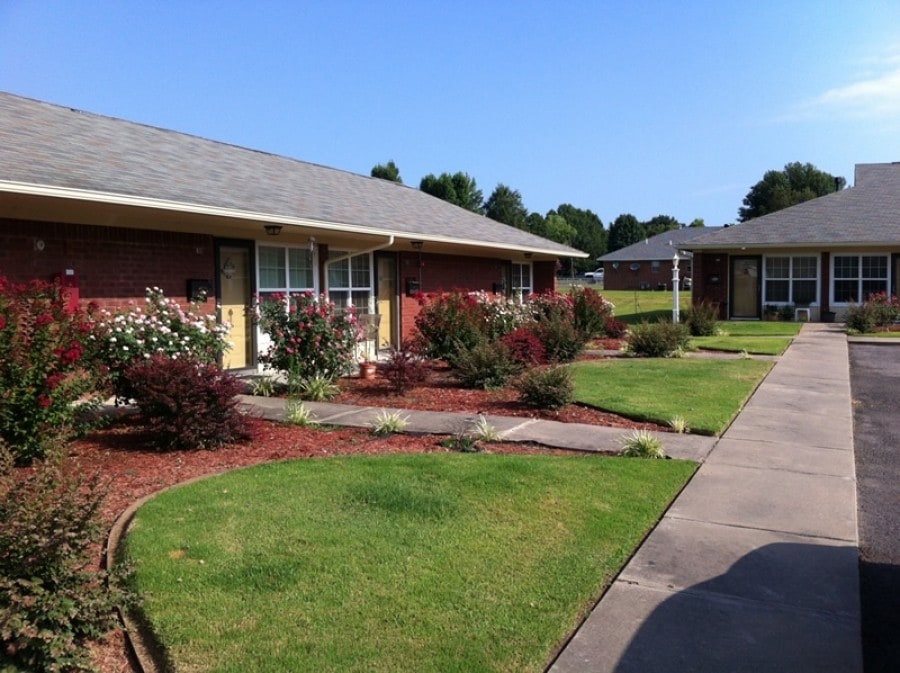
column 624, row 278
column 544, row 276
column 113, row 265
column 711, row 280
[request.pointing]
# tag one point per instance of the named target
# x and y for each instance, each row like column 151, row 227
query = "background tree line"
column 584, row 230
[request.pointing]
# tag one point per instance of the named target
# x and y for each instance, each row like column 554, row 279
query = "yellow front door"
column 387, row 293
column 234, row 281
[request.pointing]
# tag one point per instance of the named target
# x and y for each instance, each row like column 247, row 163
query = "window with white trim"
column 521, row 280
column 855, row 277
column 350, row 280
column 283, row 270
column 791, row 279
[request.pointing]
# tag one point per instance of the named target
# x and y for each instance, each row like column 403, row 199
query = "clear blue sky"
column 649, row 108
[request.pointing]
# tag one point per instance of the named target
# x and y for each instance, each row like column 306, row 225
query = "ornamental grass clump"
column 43, row 369
column 161, row 327
column 310, row 335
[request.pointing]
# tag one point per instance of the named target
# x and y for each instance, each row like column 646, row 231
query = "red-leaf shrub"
column 405, row 367
column 614, row 328
column 525, row 347
column 186, row 404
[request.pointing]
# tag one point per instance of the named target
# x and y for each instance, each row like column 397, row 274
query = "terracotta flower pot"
column 367, row 370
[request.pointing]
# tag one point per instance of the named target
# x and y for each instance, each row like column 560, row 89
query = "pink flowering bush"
column 311, row 337
column 160, row 327
column 42, row 371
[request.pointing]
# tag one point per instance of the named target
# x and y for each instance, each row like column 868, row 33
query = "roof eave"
column 128, row 200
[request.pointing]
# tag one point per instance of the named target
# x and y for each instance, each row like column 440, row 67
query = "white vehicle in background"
column 594, row 276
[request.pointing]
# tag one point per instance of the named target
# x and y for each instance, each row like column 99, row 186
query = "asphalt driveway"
column 875, row 387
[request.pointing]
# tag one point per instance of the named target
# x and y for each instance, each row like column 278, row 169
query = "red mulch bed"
column 123, row 453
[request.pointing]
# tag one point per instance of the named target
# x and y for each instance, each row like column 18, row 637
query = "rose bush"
column 161, row 327
column 311, row 337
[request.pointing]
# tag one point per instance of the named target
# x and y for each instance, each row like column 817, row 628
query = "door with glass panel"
column 283, row 272
column 745, row 287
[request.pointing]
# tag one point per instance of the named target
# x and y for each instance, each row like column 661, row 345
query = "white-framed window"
column 284, row 270
column 791, row 279
column 350, row 280
column 855, row 277
column 522, row 284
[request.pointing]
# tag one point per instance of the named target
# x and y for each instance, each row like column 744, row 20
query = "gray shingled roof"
column 866, row 214
column 49, row 145
column 660, row 247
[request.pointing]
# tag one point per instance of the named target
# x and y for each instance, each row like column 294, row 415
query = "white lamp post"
column 675, row 311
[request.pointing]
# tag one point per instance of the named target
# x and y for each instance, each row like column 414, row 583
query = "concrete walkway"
column 754, row 567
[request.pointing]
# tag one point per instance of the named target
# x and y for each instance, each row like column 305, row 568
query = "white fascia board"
column 215, row 211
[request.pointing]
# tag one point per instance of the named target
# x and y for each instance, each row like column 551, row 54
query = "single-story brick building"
column 647, row 265
column 113, row 207
column 819, row 256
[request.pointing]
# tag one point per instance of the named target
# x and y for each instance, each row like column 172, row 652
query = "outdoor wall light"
column 417, row 245
column 615, row 266
column 312, row 243
column 529, row 255
column 272, row 229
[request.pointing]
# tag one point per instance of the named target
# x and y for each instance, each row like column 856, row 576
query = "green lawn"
column 757, row 328
column 438, row 562
column 735, row 344
column 634, row 306
column 708, row 394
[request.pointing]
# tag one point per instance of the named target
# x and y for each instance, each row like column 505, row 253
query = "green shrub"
column 701, row 319
column 485, row 365
column 658, row 340
column 786, row 312
column 186, row 404
column 309, row 334
column 879, row 310
column 51, row 602
column 42, row 369
column 546, row 388
column 561, row 339
column 590, row 311
column 860, row 318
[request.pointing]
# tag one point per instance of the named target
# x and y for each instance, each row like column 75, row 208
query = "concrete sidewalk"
column 512, row 429
column 754, row 567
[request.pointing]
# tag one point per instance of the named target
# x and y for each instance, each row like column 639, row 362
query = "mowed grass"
column 636, row 306
column 437, row 562
column 708, row 394
column 759, row 338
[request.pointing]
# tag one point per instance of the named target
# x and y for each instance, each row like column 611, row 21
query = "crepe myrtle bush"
column 159, row 327
column 591, row 311
column 52, row 601
column 42, row 368
column 309, row 334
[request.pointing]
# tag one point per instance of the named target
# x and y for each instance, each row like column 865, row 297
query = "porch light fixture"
column 417, row 245
column 272, row 229
column 529, row 255
column 312, row 243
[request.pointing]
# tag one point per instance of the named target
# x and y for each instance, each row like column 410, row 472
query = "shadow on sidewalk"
column 784, row 607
